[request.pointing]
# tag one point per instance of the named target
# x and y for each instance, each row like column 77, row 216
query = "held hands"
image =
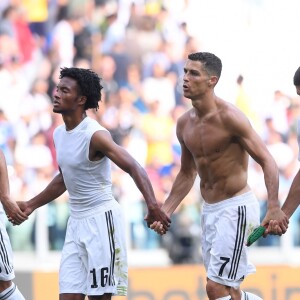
column 158, row 220
column 21, row 213
column 275, row 221
column 158, row 228
column 14, row 213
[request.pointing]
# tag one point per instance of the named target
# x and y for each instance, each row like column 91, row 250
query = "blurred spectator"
column 9, row 15
column 14, row 24
column 139, row 49
column 159, row 88
column 115, row 30
column 122, row 61
column 107, row 68
column 62, row 46
column 244, row 103
column 159, row 56
column 7, row 139
column 36, row 155
column 134, row 85
column 157, row 128
column 279, row 149
column 171, row 30
column 37, row 16
column 3, row 5
column 142, row 38
column 12, row 84
column 279, row 113
column 82, row 41
column 37, row 107
column 25, row 39
column 120, row 115
column 9, row 48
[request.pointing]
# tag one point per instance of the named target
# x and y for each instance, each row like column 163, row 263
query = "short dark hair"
column 212, row 63
column 89, row 84
column 297, row 77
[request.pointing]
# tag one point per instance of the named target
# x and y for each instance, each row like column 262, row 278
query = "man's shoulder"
column 230, row 110
column 234, row 118
column 185, row 115
column 94, row 125
column 59, row 128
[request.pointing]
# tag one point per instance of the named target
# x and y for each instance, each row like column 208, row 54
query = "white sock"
column 224, row 298
column 249, row 296
column 12, row 293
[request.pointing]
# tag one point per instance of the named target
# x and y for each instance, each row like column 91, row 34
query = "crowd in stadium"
column 138, row 48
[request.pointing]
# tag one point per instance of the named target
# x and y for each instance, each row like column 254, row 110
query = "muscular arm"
column 254, row 145
column 102, row 142
column 259, row 152
column 184, row 179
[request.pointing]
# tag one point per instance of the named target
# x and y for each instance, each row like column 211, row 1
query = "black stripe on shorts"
column 239, row 242
column 111, row 231
column 4, row 255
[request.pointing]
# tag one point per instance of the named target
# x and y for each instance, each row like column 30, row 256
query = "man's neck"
column 73, row 121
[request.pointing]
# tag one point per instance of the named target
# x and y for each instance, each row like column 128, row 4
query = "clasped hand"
column 158, row 220
column 16, row 212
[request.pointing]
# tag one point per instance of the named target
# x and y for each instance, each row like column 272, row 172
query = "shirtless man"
column 216, row 140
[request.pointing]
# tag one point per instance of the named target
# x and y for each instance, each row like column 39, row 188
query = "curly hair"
column 211, row 62
column 297, row 77
column 89, row 84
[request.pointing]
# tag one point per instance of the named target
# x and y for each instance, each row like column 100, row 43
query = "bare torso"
column 216, row 141
column 220, row 159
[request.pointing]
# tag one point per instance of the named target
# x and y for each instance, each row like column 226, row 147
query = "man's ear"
column 213, row 80
column 82, row 100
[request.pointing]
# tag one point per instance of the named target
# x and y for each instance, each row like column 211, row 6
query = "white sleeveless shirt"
column 88, row 182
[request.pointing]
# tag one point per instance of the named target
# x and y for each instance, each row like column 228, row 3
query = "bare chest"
column 206, row 139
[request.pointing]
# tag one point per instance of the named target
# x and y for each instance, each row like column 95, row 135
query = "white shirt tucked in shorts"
column 94, row 257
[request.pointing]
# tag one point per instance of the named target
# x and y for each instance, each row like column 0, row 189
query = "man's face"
column 66, row 96
column 196, row 80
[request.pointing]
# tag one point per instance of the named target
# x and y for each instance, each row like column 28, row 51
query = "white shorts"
column 226, row 226
column 6, row 254
column 94, row 256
